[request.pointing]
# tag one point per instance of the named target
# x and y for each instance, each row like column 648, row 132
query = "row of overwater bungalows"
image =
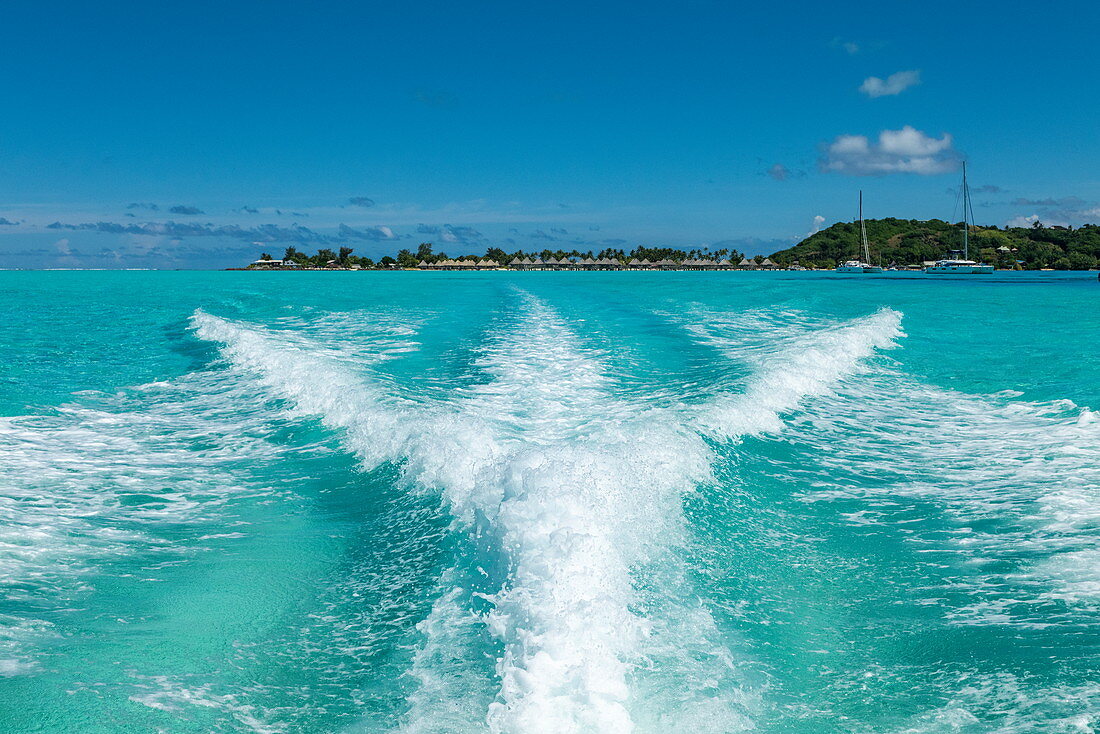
column 588, row 263
column 483, row 264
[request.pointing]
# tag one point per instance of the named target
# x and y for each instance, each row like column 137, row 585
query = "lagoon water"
column 548, row 502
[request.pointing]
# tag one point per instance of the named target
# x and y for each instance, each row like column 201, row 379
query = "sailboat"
column 953, row 265
column 857, row 266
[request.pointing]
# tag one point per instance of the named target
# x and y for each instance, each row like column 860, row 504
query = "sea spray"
column 808, row 365
column 994, row 454
column 573, row 485
column 535, row 461
column 1020, row 478
column 108, row 477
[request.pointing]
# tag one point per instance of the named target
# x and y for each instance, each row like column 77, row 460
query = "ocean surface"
column 792, row 503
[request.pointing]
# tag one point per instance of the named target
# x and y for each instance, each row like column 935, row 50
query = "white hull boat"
column 859, row 266
column 963, row 265
column 958, row 267
column 855, row 266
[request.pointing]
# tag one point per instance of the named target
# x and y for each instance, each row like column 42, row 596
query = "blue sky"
column 172, row 135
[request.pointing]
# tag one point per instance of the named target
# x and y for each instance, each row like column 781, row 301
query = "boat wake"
column 109, row 477
column 571, row 494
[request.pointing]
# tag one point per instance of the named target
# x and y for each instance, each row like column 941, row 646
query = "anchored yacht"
column 953, row 264
column 860, row 266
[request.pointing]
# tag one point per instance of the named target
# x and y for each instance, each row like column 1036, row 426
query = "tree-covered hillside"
column 910, row 242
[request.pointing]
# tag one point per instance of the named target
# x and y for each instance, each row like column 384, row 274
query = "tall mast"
column 863, row 231
column 966, row 220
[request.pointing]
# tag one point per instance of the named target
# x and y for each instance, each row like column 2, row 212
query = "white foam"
column 808, row 364
column 571, row 488
column 1031, row 468
column 164, row 694
column 574, row 486
column 102, row 478
column 1009, row 704
column 1027, row 474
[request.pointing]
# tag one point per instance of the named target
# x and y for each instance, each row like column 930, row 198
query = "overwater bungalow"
column 587, row 264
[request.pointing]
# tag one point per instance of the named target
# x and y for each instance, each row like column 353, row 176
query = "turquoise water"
column 549, row 502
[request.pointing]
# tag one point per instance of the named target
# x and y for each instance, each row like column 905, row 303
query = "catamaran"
column 857, row 266
column 953, row 265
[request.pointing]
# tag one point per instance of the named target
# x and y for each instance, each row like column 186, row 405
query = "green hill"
column 910, row 242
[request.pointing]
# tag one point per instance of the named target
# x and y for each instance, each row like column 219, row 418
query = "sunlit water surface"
column 549, row 502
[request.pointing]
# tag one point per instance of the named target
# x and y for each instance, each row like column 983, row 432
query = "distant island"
column 903, row 243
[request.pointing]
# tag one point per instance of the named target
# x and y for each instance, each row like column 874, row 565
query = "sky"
column 198, row 135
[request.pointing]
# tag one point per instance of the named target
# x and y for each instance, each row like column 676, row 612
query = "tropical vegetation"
column 911, row 242
column 344, row 258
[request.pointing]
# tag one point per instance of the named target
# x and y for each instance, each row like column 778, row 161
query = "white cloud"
column 896, row 83
column 818, row 221
column 1049, row 220
column 1022, row 221
column 897, row 151
column 1062, row 217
